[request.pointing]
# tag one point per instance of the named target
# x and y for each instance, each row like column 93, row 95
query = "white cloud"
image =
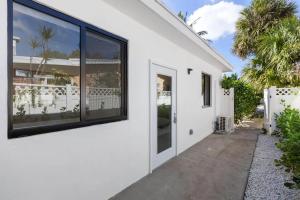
column 217, row 19
column 18, row 24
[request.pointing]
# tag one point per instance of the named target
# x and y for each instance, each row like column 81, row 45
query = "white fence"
column 164, row 97
column 58, row 99
column 273, row 104
column 227, row 105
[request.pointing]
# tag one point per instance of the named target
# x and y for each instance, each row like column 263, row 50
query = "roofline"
column 201, row 42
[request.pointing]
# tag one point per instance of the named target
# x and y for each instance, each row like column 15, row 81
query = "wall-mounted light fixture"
column 189, row 70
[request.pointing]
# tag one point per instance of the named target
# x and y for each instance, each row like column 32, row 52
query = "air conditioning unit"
column 224, row 125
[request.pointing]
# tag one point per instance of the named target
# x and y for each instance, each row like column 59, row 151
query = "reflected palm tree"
column 34, row 44
column 46, row 34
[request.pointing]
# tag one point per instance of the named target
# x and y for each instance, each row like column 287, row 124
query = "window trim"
column 210, row 90
column 16, row 133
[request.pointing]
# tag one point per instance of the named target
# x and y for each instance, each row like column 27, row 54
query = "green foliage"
column 288, row 123
column 75, row 54
column 255, row 20
column 182, row 16
column 60, row 78
column 21, row 111
column 277, row 56
column 268, row 34
column 55, row 54
column 76, row 108
column 164, row 111
column 164, row 115
column 45, row 110
column 246, row 98
column 33, row 92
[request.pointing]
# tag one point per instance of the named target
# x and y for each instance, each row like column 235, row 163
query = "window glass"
column 46, row 66
column 206, row 89
column 164, row 112
column 103, row 77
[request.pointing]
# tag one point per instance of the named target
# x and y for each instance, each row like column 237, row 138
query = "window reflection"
column 164, row 110
column 206, row 89
column 46, row 69
column 103, row 77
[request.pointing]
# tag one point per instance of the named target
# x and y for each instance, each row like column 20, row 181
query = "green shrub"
column 288, row 123
column 164, row 111
column 246, row 98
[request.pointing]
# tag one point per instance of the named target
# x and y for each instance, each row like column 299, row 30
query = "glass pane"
column 103, row 77
column 164, row 112
column 46, row 66
column 206, row 89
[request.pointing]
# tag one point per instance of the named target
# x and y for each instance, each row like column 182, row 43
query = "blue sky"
column 27, row 25
column 226, row 9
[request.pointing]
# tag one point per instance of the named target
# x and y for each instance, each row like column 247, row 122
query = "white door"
column 163, row 114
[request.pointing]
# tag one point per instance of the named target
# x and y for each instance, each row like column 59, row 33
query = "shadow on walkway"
column 215, row 168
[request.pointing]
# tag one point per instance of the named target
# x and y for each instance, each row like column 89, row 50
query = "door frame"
column 155, row 160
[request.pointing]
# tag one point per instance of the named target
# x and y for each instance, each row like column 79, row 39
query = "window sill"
column 206, row 107
column 25, row 132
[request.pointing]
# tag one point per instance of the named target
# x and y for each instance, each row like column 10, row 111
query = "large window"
column 63, row 73
column 206, row 90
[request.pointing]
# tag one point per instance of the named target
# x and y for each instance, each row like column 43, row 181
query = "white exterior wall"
column 99, row 161
column 273, row 103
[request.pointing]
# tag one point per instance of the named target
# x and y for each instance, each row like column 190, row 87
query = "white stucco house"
column 96, row 94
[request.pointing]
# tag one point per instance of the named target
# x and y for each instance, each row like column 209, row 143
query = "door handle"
column 175, row 118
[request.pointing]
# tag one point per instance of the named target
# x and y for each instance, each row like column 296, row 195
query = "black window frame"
column 84, row 27
column 203, row 77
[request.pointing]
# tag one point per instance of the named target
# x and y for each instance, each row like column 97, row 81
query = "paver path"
column 215, row 168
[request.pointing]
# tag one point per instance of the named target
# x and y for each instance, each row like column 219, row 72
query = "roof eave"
column 191, row 34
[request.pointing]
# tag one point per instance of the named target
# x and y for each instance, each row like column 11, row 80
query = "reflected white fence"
column 164, row 97
column 35, row 98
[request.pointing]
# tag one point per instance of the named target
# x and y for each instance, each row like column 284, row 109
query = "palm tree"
column 255, row 20
column 203, row 33
column 182, row 16
column 281, row 45
column 46, row 34
column 200, row 33
column 34, row 44
column 278, row 56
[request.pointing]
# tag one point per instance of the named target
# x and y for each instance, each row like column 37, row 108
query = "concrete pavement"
column 214, row 169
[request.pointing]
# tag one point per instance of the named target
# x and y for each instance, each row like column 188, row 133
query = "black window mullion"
column 204, row 89
column 208, row 91
column 10, row 70
column 124, row 75
column 82, row 73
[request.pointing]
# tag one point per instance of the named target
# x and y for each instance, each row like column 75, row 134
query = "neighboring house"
column 120, row 88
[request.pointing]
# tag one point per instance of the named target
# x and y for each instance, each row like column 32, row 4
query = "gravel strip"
column 266, row 181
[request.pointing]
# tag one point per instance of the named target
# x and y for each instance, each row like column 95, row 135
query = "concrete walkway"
column 215, row 168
